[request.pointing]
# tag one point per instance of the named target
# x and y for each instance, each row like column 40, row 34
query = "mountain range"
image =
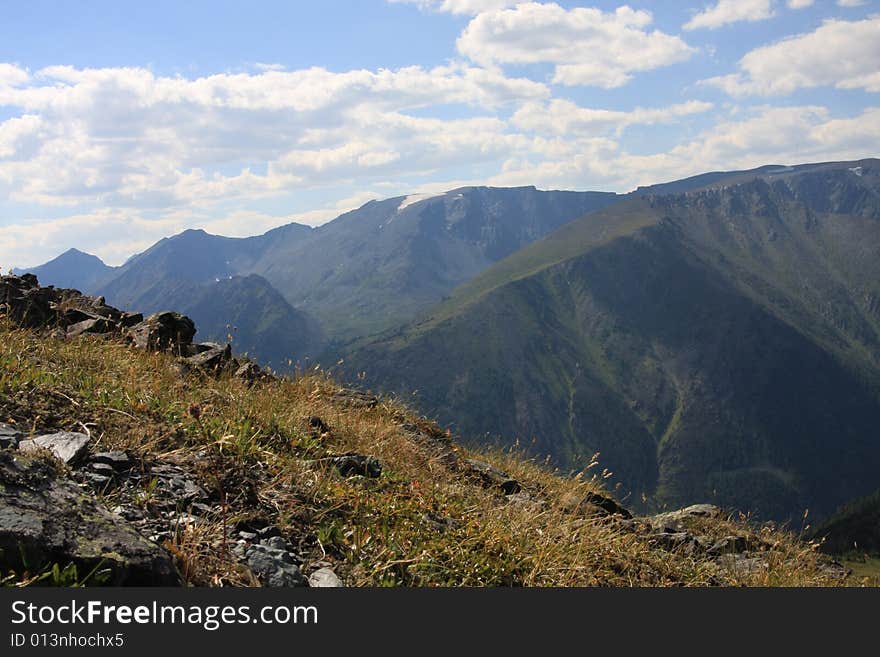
column 715, row 338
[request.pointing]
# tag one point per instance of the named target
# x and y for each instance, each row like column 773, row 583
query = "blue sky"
column 124, row 122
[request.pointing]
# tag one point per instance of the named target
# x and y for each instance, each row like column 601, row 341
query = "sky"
column 124, row 122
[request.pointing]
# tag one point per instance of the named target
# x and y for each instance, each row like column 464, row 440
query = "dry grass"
column 419, row 524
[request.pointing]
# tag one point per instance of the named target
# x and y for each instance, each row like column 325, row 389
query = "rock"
column 491, row 477
column 355, row 399
column 163, row 331
column 593, row 504
column 273, row 568
column 268, row 532
column 324, row 578
column 675, row 520
column 729, row 545
column 117, row 460
column 46, row 520
column 25, row 303
column 127, row 320
column 276, row 543
column 102, row 468
column 249, row 371
column 72, row 316
column 350, row 465
column 9, row 436
column 66, row 446
column 213, row 358
column 99, row 325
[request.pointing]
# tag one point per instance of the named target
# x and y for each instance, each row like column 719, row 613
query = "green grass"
column 419, row 524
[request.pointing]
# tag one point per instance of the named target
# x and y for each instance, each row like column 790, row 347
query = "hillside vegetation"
column 719, row 343
column 415, row 510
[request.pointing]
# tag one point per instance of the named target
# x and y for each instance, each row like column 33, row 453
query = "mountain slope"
column 73, row 268
column 253, row 315
column 722, row 343
column 388, row 261
column 193, row 257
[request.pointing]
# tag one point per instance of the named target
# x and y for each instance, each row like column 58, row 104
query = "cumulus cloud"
column 800, row 4
column 561, row 117
column 751, row 138
column 850, row 3
column 731, row 11
column 127, row 138
column 586, row 46
column 841, row 54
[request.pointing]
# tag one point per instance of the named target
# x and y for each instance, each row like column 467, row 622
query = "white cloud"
column 12, row 75
column 124, row 137
column 842, row 54
column 469, row 7
column 731, row 11
column 752, row 138
column 586, row 46
column 561, row 117
column 800, row 4
column 850, row 3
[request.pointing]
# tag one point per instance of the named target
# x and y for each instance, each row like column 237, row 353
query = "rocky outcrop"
column 46, row 520
column 71, row 315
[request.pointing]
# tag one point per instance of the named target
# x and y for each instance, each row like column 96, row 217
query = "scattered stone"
column 492, row 477
column 355, row 398
column 98, row 326
column 163, row 331
column 117, row 460
column 72, row 316
column 268, row 532
column 675, row 520
column 102, row 469
column 324, row 578
column 213, row 358
column 274, row 568
column 127, row 320
column 98, row 481
column 593, row 504
column 349, row 465
column 46, row 520
column 247, row 536
column 276, row 543
column 66, row 446
column 9, row 436
column 249, row 371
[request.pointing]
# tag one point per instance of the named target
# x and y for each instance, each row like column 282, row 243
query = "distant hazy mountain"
column 387, row 261
column 75, row 269
column 716, row 339
column 192, row 257
column 250, row 313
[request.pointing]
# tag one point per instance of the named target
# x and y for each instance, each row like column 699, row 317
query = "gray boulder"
column 66, row 446
column 163, row 331
column 324, row 578
column 9, row 436
column 46, row 520
column 212, row 358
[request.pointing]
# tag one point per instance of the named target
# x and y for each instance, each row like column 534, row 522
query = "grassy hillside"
column 722, row 344
column 421, row 523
